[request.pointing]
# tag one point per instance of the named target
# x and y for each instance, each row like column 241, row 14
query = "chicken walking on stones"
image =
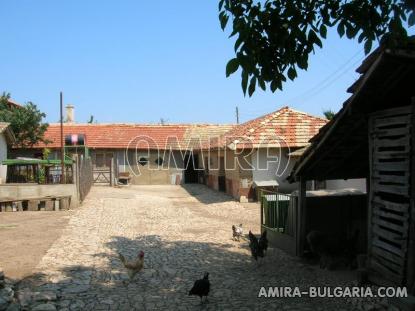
column 201, row 288
column 237, row 232
column 258, row 248
column 133, row 266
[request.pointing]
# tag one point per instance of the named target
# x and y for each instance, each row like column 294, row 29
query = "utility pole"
column 62, row 141
column 237, row 114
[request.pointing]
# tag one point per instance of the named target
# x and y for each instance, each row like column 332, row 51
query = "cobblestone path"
column 184, row 232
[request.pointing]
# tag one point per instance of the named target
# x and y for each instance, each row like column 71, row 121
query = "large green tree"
column 274, row 38
column 26, row 121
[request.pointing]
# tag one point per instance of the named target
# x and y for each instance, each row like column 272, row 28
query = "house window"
column 159, row 161
column 143, row 161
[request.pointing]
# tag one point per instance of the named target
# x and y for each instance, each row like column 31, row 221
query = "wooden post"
column 75, row 175
column 369, row 192
column 411, row 241
column 111, row 172
column 62, row 141
column 116, row 169
column 301, row 217
column 261, row 200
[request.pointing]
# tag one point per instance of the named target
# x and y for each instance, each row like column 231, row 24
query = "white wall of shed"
column 358, row 184
column 273, row 164
column 175, row 158
column 173, row 162
column 3, row 156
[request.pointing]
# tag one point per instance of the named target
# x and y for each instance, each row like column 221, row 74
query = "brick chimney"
column 70, row 114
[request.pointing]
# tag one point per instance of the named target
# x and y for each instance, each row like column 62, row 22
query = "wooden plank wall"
column 411, row 243
column 390, row 192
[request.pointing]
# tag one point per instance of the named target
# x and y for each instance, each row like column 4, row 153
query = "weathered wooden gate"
column 102, row 175
column 106, row 174
column 390, row 147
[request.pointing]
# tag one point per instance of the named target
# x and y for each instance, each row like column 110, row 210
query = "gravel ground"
column 184, row 232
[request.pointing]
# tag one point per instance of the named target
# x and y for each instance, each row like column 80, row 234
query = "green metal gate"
column 277, row 212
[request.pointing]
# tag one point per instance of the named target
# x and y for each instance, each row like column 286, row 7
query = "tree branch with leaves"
column 26, row 122
column 274, row 38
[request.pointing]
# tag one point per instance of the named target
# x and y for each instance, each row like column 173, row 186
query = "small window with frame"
column 159, row 161
column 143, row 161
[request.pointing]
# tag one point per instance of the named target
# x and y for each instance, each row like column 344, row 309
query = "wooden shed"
column 373, row 137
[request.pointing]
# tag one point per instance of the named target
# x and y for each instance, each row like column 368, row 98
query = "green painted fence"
column 277, row 211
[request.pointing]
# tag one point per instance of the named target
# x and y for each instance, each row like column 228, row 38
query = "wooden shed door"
column 390, row 192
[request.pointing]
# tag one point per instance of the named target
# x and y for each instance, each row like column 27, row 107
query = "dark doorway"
column 190, row 173
column 221, row 177
column 222, row 183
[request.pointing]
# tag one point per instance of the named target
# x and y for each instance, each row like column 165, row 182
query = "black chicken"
column 263, row 241
column 201, row 287
column 257, row 250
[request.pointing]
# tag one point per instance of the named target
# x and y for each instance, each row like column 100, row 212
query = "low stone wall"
column 27, row 191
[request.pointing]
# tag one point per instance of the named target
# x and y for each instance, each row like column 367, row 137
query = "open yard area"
column 184, row 232
column 25, row 238
column 207, row 155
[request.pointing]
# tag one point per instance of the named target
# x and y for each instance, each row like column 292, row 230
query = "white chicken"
column 237, row 232
column 133, row 266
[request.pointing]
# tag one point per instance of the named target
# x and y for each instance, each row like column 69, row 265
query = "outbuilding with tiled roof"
column 257, row 152
column 285, row 126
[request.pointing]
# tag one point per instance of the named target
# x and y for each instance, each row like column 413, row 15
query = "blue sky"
column 139, row 61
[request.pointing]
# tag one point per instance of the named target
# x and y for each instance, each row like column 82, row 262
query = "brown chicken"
column 133, row 266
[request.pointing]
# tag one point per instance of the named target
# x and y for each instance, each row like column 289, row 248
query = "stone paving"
column 184, row 232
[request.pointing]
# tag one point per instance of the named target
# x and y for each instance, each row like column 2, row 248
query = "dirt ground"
column 25, row 237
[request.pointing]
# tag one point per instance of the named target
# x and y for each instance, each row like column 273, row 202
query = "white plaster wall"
column 358, row 184
column 3, row 156
column 176, row 160
column 174, row 167
column 278, row 168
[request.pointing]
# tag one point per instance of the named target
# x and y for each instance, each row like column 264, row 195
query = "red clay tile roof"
column 13, row 104
column 284, row 127
column 198, row 135
column 121, row 136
